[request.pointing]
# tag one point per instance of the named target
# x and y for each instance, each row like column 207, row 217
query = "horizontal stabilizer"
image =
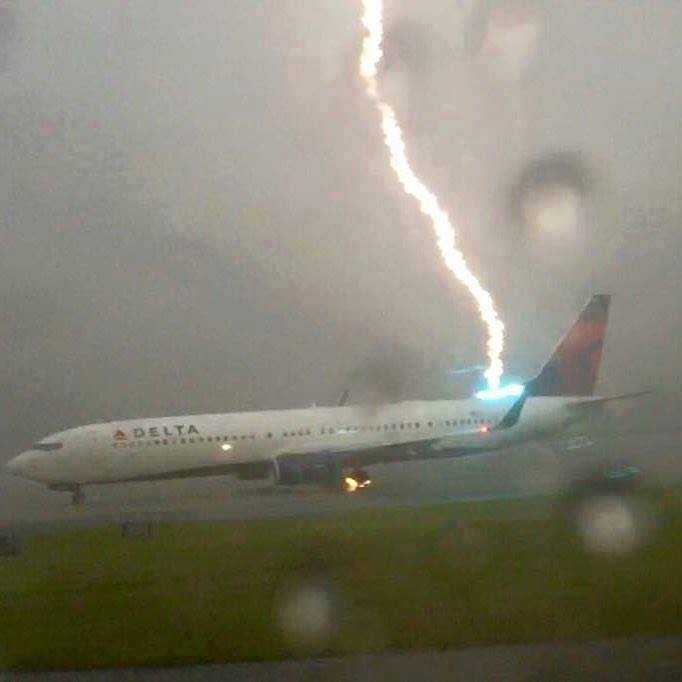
column 597, row 402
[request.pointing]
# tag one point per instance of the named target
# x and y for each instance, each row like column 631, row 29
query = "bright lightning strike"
column 428, row 203
column 501, row 392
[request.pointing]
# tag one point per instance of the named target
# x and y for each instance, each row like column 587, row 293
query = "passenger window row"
column 397, row 426
column 185, row 441
column 325, row 430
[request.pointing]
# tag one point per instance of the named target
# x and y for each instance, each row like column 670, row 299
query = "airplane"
column 330, row 446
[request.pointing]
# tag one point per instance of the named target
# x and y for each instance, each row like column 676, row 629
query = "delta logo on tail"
column 572, row 370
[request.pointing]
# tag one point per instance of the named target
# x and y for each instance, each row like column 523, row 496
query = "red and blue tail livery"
column 573, row 368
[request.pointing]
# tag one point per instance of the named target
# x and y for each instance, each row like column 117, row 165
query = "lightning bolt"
column 372, row 20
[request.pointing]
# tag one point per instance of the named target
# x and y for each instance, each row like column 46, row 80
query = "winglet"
column 514, row 413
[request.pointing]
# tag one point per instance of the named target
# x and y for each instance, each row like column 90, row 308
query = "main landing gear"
column 340, row 481
column 356, row 480
column 77, row 496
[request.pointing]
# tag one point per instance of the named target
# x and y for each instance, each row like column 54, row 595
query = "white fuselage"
column 141, row 449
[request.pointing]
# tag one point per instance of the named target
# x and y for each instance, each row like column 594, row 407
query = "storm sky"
column 198, row 213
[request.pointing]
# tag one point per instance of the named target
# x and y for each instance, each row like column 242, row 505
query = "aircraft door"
column 101, row 453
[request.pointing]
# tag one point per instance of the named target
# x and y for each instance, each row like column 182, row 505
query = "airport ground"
column 357, row 582
column 408, row 566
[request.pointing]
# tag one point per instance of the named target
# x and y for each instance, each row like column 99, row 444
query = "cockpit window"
column 47, row 447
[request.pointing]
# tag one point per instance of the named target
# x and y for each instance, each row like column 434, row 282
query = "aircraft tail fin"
column 573, row 367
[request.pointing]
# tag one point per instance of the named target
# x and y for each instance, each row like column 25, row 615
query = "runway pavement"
column 658, row 659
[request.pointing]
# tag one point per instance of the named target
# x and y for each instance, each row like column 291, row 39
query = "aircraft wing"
column 357, row 454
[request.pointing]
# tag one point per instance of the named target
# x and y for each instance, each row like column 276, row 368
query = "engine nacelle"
column 257, row 471
column 320, row 469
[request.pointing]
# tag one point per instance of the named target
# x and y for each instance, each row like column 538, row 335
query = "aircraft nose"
column 17, row 465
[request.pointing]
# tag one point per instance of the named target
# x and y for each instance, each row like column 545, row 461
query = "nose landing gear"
column 77, row 494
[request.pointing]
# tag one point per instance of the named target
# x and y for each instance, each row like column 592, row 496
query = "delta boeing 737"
column 330, row 446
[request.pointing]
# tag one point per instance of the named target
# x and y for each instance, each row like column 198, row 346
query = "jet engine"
column 320, row 469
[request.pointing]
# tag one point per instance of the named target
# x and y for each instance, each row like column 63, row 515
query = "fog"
column 198, row 214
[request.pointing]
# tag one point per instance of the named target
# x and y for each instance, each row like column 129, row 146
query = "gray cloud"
column 198, row 214
column 8, row 33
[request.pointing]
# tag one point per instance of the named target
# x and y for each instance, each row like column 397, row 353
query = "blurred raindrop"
column 504, row 36
column 549, row 192
column 307, row 615
column 613, row 524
